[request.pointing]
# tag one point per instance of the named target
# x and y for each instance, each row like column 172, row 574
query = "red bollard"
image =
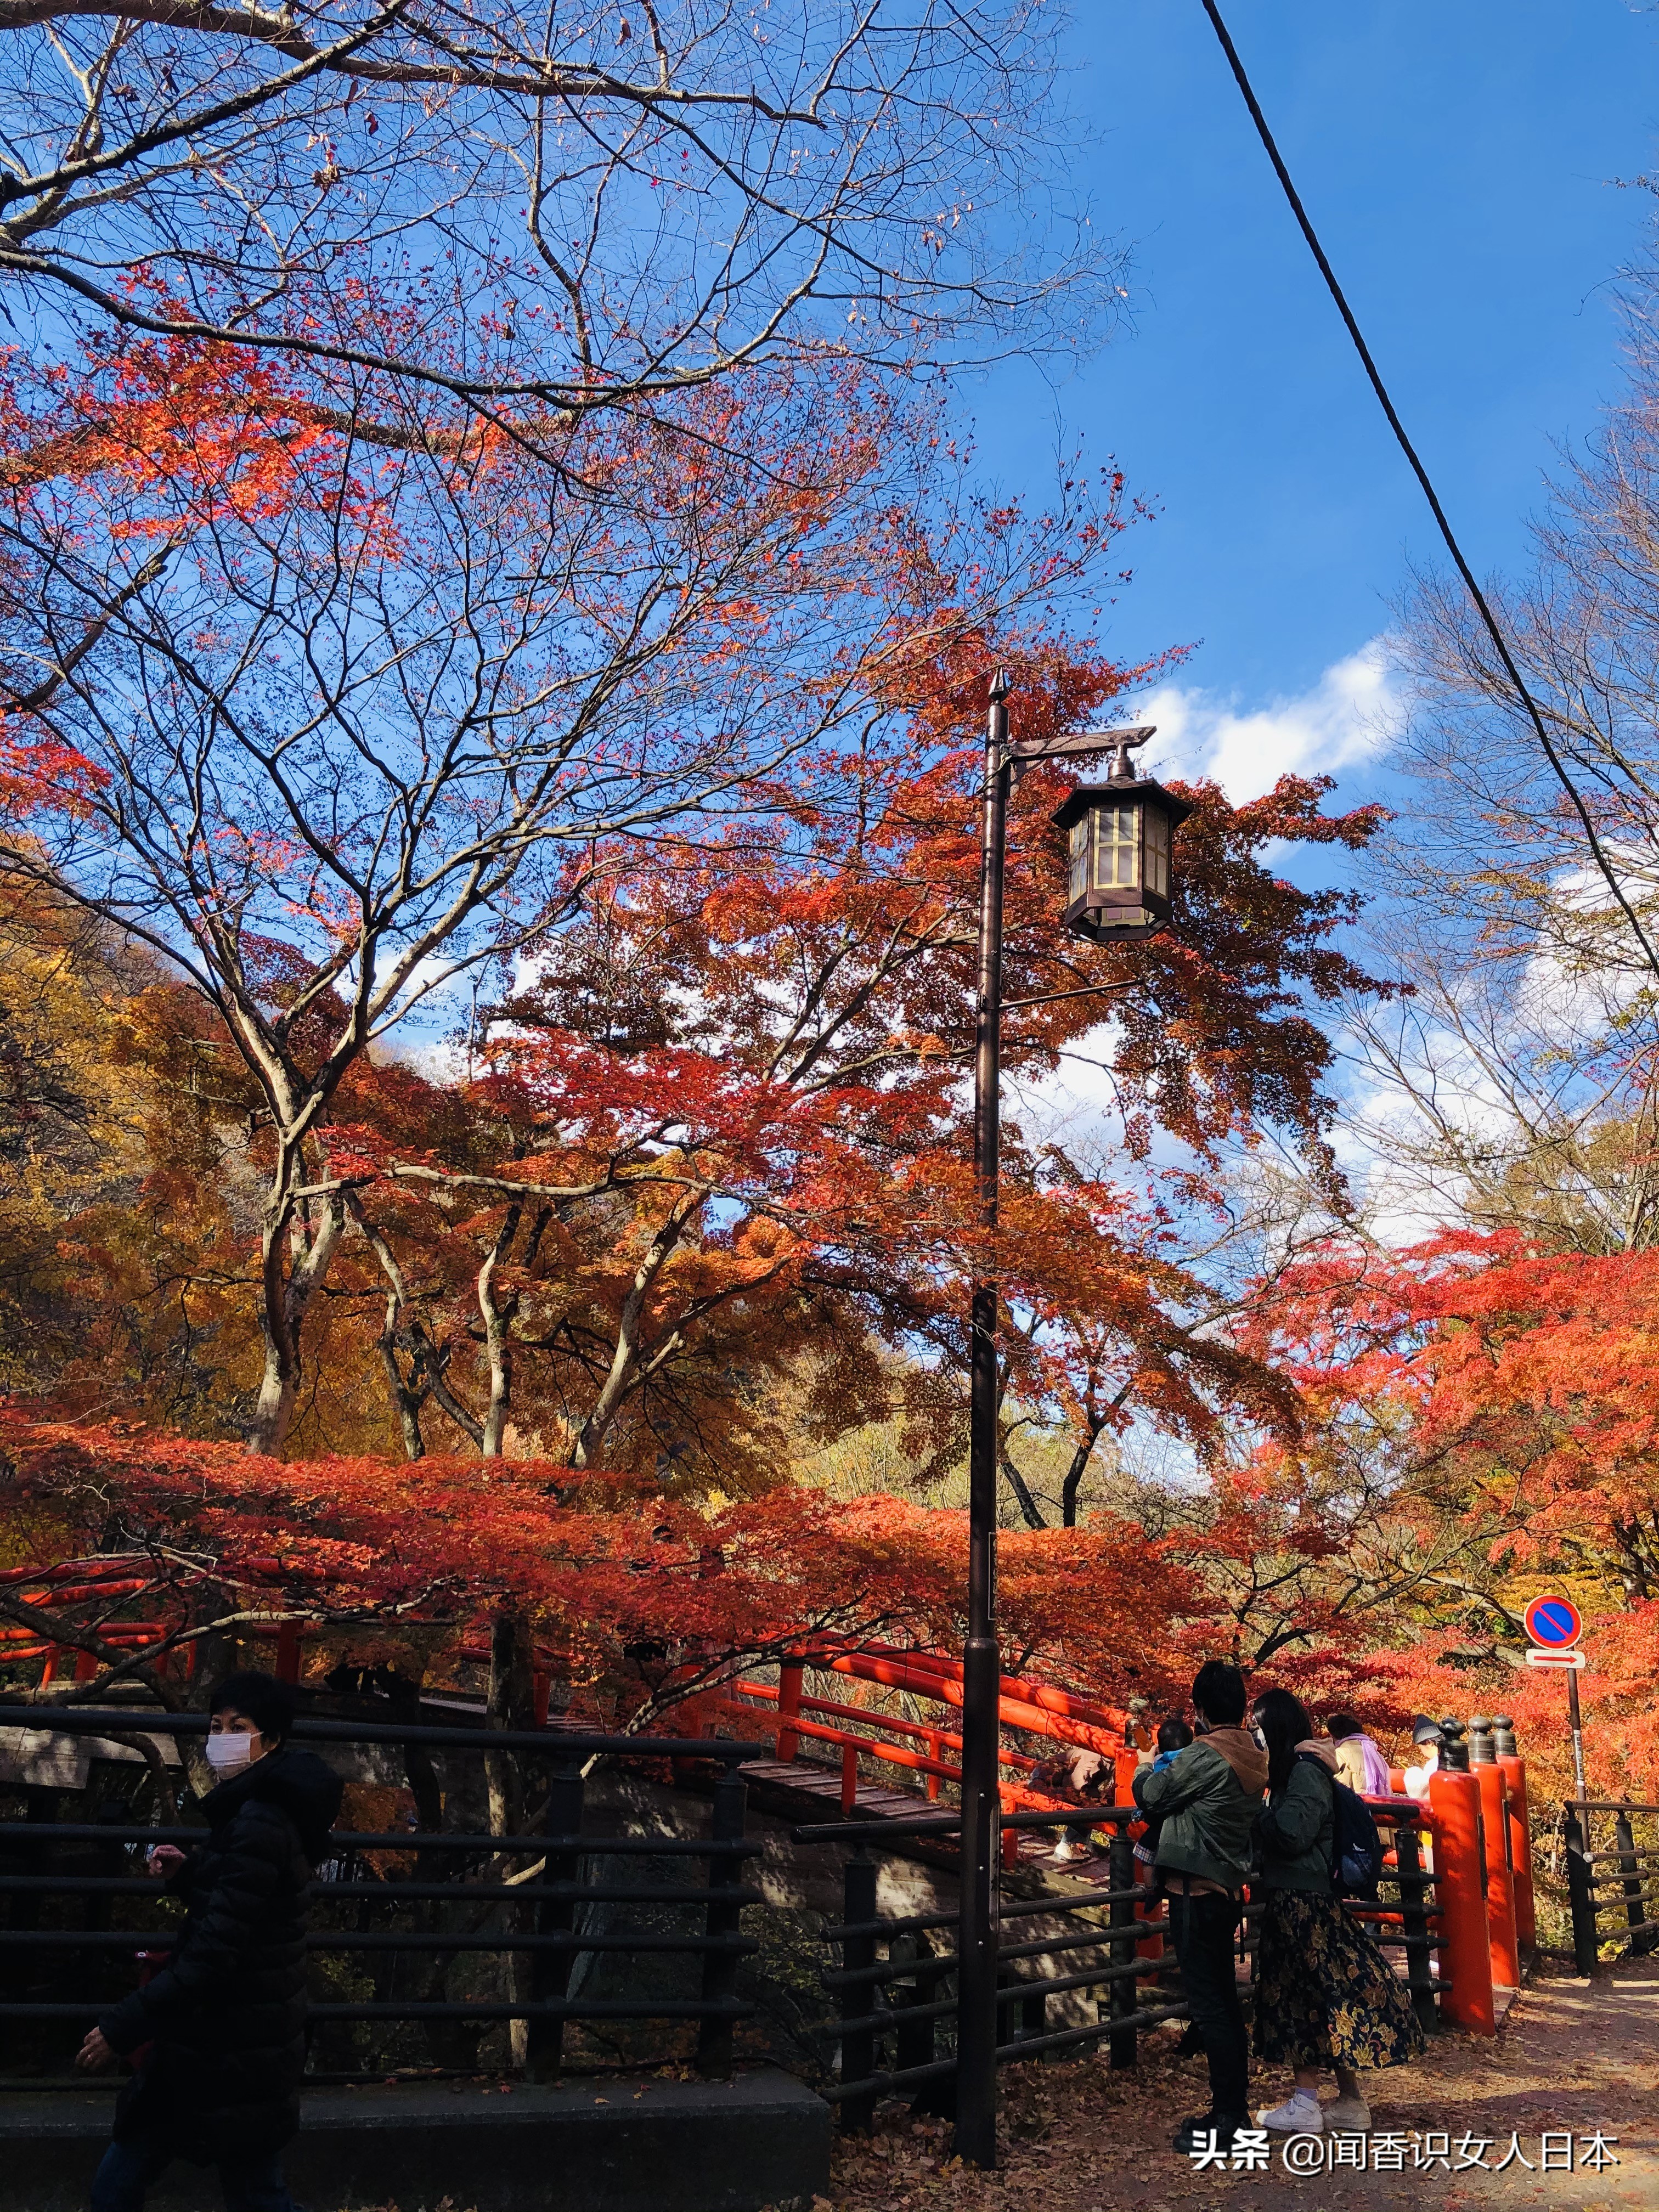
column 1460, row 1896
column 1526, row 1915
column 1500, row 1883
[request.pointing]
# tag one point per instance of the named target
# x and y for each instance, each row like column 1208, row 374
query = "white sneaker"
column 1301, row 2114
column 1348, row 2116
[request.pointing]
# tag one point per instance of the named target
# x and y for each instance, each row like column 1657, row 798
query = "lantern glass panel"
column 1117, row 845
column 1158, row 851
column 1077, row 878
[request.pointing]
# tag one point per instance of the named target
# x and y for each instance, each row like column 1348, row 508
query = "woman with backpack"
column 1326, row 1998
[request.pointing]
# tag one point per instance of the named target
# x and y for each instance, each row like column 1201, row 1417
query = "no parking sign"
column 1553, row 1622
column 1555, row 1626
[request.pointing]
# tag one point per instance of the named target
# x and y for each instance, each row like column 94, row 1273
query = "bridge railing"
column 860, row 1732
column 929, row 1750
column 534, row 1914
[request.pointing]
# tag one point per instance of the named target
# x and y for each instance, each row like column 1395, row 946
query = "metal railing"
column 528, row 1896
column 1612, row 1874
column 894, row 1986
column 916, row 1973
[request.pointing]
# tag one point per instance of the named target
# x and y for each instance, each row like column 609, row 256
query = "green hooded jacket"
column 1206, row 1802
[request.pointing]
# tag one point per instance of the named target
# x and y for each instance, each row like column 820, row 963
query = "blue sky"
column 1460, row 158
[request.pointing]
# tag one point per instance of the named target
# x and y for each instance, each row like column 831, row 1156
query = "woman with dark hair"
column 224, row 2021
column 1326, row 1998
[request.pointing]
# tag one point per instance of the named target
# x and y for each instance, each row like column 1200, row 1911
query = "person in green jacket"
column 1326, row 1998
column 1206, row 1802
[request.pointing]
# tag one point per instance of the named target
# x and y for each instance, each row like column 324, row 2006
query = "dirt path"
column 1573, row 2060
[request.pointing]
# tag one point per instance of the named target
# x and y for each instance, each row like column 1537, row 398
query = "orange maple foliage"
column 654, row 1601
column 1510, row 1397
column 722, row 1123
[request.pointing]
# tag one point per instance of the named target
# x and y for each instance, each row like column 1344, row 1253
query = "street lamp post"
column 981, row 1663
column 1118, row 890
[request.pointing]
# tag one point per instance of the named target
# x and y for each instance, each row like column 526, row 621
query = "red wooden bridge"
column 1094, row 1751
column 855, row 1754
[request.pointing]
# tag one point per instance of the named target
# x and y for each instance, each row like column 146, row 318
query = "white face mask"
column 229, row 1754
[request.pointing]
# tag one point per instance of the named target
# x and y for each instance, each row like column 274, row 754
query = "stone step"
column 593, row 2144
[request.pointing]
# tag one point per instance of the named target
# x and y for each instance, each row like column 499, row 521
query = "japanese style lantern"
column 1119, row 836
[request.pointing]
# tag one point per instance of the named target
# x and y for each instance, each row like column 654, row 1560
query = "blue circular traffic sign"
column 1553, row 1622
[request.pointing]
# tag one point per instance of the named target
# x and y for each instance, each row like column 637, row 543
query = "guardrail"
column 895, row 1989
column 523, row 1896
column 1612, row 1870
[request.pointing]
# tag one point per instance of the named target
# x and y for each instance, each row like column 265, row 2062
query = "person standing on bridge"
column 1326, row 1997
column 224, row 2020
column 1206, row 1802
column 1359, row 1760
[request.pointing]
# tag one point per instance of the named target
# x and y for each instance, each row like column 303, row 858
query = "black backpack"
column 1356, row 1842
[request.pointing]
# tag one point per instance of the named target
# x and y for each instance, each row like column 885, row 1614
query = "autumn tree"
column 480, row 215
column 392, row 705
column 730, row 1136
column 1522, row 895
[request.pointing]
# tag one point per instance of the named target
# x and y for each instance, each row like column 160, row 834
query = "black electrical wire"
column 1551, row 753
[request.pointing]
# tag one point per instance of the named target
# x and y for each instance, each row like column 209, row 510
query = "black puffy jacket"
column 225, row 2016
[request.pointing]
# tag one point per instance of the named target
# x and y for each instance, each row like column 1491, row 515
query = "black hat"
column 1423, row 1730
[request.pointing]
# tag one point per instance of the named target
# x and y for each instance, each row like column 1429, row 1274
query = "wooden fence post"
column 1580, row 1890
column 1515, row 1776
column 1500, row 1882
column 719, row 1968
column 1630, row 1868
column 849, row 1777
column 550, row 1969
column 1120, row 1875
column 1414, row 1926
column 858, row 2045
column 791, row 1674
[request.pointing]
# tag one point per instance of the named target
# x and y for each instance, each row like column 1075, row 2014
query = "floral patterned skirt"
column 1325, row 1995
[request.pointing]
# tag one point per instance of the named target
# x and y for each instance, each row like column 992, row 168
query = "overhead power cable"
column 1552, row 752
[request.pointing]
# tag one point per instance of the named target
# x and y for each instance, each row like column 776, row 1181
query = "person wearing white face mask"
column 224, row 2020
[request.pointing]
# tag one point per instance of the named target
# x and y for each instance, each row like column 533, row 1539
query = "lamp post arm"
column 1049, row 998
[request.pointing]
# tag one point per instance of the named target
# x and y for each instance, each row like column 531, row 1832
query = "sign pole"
column 1575, row 1724
column 1555, row 1624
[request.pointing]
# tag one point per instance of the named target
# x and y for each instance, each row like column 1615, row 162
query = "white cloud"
column 1341, row 723
column 1342, row 720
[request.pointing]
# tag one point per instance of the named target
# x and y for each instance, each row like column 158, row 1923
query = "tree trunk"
column 625, row 1366
column 409, row 1396
column 286, row 1300
column 1031, row 1511
column 406, row 1402
column 1074, row 1475
column 498, row 1349
column 1094, row 1423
